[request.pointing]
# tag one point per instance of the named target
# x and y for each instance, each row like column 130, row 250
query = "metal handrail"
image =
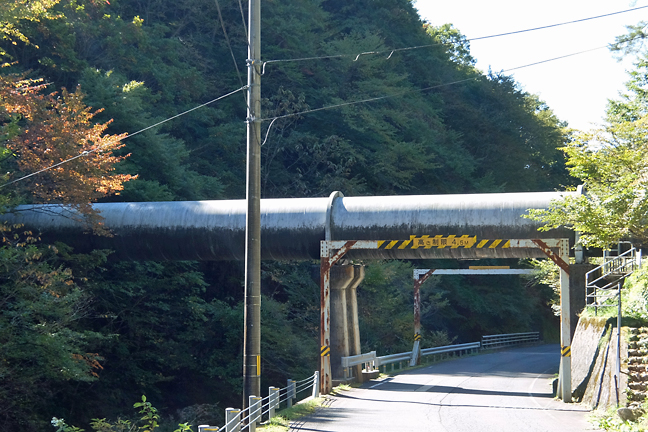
column 266, row 405
column 619, row 267
column 618, row 264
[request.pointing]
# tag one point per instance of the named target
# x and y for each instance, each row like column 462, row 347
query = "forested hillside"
column 431, row 124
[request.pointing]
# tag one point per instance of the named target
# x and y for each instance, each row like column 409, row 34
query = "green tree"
column 611, row 163
column 14, row 12
column 174, row 329
column 42, row 346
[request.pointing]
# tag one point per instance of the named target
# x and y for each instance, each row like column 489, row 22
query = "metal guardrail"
column 373, row 362
column 246, row 420
column 504, row 340
column 393, row 358
column 368, row 358
column 451, row 348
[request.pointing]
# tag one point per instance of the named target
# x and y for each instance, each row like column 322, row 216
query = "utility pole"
column 252, row 332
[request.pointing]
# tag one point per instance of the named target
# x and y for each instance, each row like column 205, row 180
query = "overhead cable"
column 243, row 19
column 87, row 152
column 392, row 51
column 559, row 24
column 220, row 17
column 374, row 99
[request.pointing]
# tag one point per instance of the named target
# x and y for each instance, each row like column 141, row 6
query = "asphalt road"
column 500, row 392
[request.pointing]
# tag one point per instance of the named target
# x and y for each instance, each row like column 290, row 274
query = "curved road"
column 502, row 391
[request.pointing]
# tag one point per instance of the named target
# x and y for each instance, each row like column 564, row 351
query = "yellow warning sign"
column 325, row 351
column 441, row 242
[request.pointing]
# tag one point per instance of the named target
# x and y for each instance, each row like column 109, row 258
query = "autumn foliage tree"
column 53, row 135
column 53, row 152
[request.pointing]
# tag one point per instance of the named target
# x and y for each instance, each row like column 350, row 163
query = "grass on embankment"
column 281, row 421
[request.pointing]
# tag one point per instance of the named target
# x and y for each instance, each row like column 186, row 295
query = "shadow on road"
column 331, row 414
column 404, row 387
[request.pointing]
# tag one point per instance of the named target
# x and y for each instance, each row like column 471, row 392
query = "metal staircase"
column 603, row 284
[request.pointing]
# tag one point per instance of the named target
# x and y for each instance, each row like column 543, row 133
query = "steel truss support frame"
column 332, row 251
column 421, row 275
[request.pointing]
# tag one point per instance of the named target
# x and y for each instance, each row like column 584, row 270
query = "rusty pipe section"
column 292, row 228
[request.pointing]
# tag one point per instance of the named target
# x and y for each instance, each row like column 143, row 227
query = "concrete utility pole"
column 252, row 335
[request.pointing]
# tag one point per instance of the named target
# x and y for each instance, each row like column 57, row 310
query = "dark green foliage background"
column 173, row 331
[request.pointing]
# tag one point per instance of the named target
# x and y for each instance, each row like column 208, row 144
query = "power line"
column 392, row 51
column 555, row 58
column 273, row 119
column 422, row 89
column 559, row 24
column 87, row 152
column 220, row 17
column 243, row 19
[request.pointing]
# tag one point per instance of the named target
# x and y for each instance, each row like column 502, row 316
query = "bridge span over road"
column 504, row 391
column 334, row 230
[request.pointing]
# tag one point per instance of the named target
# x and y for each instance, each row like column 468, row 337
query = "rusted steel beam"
column 419, row 279
column 326, row 262
column 556, row 258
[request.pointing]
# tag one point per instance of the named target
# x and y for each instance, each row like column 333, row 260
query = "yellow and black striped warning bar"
column 440, row 242
column 417, row 337
column 565, row 351
column 325, row 351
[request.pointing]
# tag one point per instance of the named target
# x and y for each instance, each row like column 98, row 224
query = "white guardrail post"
column 273, row 398
column 233, row 419
column 316, row 385
column 255, row 412
column 290, row 392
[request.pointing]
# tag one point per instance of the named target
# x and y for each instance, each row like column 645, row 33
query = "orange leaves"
column 56, row 131
column 92, row 360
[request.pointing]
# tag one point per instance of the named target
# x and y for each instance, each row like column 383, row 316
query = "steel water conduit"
column 292, row 228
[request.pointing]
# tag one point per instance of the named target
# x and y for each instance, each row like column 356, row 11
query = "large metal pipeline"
column 291, row 229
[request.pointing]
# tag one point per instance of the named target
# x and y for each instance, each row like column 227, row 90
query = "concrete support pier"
column 353, row 321
column 341, row 278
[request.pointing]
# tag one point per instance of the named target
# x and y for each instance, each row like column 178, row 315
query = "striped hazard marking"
column 565, row 351
column 417, row 337
column 325, row 351
column 441, row 242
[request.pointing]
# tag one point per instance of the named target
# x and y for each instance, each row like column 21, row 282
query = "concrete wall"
column 594, row 362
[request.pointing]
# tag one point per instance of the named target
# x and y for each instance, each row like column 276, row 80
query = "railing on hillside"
column 602, row 282
column 237, row 420
column 505, row 340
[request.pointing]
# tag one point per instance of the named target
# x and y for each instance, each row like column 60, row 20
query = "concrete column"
column 577, row 292
column 564, row 381
column 354, row 325
column 341, row 278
